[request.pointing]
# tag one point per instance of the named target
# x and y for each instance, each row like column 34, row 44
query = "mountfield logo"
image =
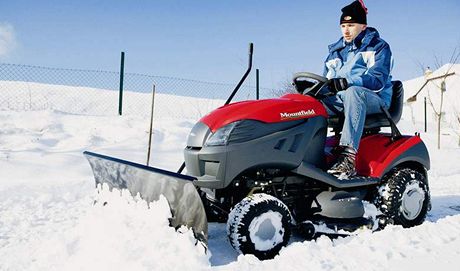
column 295, row 115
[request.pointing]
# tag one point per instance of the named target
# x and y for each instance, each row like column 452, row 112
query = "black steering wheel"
column 308, row 83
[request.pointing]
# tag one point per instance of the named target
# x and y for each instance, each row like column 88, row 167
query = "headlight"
column 220, row 137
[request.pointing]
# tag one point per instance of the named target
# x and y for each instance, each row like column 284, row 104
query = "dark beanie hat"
column 354, row 13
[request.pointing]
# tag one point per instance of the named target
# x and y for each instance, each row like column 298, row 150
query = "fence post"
column 257, row 84
column 122, row 71
column 151, row 125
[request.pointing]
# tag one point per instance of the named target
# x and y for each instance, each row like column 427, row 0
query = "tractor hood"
column 287, row 108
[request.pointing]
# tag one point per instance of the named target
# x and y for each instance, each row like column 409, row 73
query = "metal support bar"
column 251, row 49
column 122, row 71
column 395, row 133
column 257, row 84
column 181, row 168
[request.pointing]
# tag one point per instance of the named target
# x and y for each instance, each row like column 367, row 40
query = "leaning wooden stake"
column 151, row 125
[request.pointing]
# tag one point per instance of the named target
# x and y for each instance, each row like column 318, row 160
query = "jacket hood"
column 369, row 34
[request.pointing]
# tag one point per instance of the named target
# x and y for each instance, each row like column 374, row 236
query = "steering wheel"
column 311, row 85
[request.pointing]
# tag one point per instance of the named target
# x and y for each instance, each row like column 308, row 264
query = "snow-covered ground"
column 49, row 219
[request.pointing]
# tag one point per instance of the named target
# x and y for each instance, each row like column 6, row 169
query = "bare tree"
column 453, row 59
column 441, row 87
column 439, row 112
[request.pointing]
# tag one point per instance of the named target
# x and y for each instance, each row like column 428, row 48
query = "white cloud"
column 7, row 38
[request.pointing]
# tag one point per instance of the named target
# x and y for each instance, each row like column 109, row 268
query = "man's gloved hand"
column 337, row 84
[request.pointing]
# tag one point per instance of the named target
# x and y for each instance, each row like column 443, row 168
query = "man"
column 358, row 68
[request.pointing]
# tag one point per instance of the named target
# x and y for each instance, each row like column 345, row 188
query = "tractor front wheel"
column 259, row 225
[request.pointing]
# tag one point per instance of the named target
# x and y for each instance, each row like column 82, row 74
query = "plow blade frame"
column 180, row 192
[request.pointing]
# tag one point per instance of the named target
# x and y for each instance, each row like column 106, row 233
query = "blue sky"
column 208, row 40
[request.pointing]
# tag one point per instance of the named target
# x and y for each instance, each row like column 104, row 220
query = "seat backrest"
column 375, row 121
column 397, row 100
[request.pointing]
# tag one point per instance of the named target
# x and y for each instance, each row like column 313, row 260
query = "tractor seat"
column 375, row 121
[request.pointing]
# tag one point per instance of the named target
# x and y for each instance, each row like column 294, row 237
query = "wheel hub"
column 412, row 201
column 266, row 231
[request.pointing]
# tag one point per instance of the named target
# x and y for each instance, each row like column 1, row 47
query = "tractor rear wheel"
column 404, row 198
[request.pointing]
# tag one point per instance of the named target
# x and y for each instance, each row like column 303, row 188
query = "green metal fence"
column 24, row 87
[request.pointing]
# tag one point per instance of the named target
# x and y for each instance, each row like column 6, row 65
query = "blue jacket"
column 367, row 62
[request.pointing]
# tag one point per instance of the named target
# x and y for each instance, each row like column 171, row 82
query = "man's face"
column 351, row 30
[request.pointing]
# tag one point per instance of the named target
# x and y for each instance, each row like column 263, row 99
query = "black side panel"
column 314, row 150
column 287, row 147
column 270, row 151
column 247, row 130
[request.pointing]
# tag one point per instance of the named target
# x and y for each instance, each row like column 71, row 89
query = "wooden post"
column 151, row 125
column 425, row 112
column 443, row 89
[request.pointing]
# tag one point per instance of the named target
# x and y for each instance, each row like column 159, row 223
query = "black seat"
column 375, row 121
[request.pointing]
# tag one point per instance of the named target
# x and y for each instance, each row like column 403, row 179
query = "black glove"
column 337, row 84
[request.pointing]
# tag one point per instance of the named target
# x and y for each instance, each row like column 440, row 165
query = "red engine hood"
column 288, row 107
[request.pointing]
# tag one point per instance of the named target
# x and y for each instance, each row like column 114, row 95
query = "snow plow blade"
column 180, row 192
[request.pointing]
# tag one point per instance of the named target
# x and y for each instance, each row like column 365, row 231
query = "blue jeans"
column 355, row 103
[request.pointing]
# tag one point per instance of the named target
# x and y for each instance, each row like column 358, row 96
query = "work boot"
column 344, row 168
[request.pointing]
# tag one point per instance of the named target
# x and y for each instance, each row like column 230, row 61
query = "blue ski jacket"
column 367, row 62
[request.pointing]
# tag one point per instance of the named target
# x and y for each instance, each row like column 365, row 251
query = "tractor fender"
column 378, row 154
